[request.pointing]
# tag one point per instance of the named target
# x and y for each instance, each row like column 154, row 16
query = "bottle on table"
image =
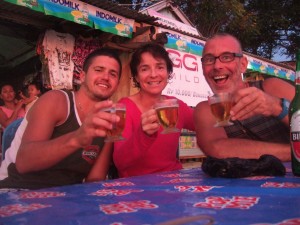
column 294, row 116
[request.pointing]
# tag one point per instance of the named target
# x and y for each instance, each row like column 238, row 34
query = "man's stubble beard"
column 92, row 95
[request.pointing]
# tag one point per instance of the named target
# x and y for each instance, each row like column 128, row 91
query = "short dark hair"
column 102, row 52
column 157, row 51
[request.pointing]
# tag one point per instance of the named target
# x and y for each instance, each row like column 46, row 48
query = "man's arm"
column 38, row 151
column 213, row 141
column 280, row 89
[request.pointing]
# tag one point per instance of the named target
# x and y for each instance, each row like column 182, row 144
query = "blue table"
column 158, row 198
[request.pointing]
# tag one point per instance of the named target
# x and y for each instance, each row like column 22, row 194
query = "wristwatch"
column 285, row 104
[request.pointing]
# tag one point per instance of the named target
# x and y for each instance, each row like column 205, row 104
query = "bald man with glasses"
column 260, row 109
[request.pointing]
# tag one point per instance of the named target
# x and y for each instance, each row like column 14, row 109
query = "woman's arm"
column 100, row 169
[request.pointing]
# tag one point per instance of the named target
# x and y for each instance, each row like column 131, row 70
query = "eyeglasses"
column 224, row 58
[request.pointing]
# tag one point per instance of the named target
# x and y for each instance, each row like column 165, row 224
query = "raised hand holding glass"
column 115, row 134
column 220, row 105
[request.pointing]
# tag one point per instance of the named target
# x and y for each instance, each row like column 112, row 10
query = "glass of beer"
column 167, row 112
column 115, row 134
column 220, row 105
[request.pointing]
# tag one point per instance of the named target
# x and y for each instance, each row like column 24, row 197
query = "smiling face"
column 102, row 77
column 152, row 74
column 7, row 93
column 224, row 76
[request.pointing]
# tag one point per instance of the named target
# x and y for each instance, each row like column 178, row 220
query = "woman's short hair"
column 157, row 51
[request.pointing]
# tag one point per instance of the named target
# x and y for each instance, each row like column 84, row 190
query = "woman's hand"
column 149, row 122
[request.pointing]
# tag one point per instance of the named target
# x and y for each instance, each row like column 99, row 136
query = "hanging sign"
column 74, row 11
column 286, row 74
column 256, row 65
column 269, row 68
column 183, row 43
column 82, row 13
column 110, row 22
column 188, row 82
column 35, row 5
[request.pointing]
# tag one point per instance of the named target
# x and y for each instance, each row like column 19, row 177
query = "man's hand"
column 252, row 101
column 96, row 123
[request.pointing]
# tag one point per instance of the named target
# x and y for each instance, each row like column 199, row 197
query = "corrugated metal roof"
column 169, row 6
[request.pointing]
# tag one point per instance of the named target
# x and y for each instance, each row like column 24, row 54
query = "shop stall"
column 58, row 34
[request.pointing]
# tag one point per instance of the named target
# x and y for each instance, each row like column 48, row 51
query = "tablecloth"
column 158, row 198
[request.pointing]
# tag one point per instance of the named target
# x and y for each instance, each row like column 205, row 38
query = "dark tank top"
column 71, row 170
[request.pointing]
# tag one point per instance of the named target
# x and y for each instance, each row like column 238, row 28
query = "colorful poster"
column 256, row 65
column 287, row 74
column 182, row 42
column 35, row 5
column 82, row 13
column 74, row 11
column 269, row 68
column 112, row 23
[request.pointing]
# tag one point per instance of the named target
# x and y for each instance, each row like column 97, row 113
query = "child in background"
column 33, row 91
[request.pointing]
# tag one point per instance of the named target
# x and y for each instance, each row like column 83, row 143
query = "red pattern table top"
column 157, row 199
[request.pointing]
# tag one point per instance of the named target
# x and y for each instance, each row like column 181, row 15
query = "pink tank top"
column 9, row 112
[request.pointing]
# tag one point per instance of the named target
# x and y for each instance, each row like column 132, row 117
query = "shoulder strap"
column 70, row 95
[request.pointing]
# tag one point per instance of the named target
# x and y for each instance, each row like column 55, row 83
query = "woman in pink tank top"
column 12, row 109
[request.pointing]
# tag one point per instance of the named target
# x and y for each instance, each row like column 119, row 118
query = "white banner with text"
column 188, row 83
